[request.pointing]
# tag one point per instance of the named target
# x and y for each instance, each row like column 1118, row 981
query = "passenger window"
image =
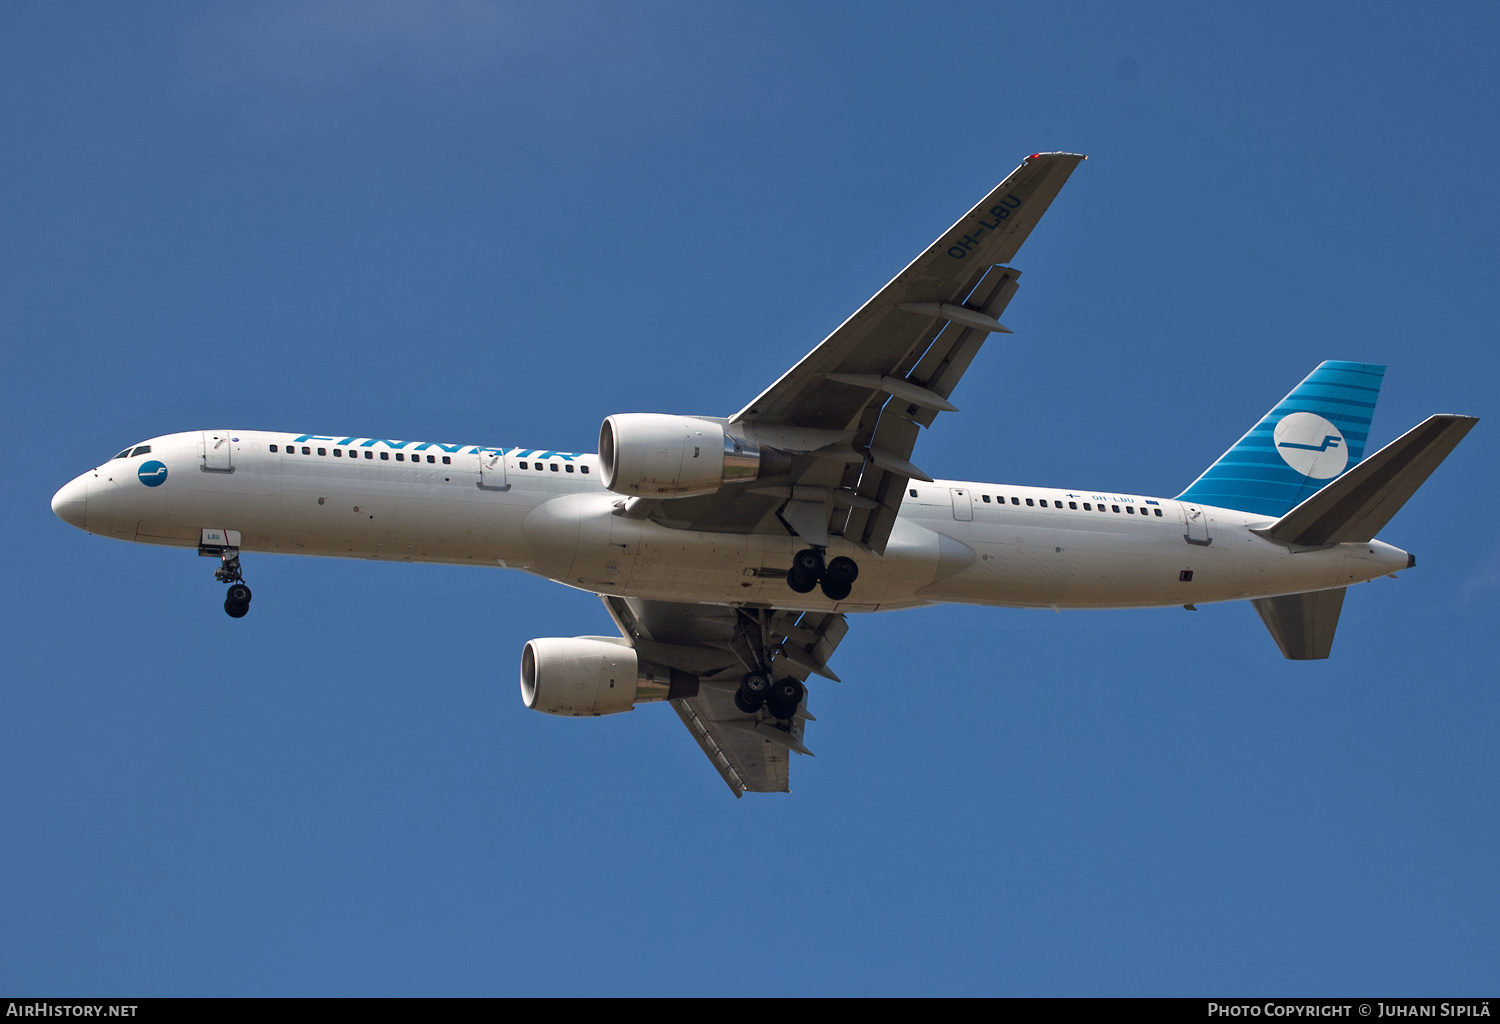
column 431, row 459
column 1015, row 501
column 446, row 460
column 385, row 456
column 986, row 499
column 523, row 466
column 400, row 457
column 306, row 450
column 273, row 448
column 583, row 469
column 1130, row 509
column 540, row 467
column 144, row 449
column 913, row 492
column 369, row 455
column 1158, row 512
column 1030, row 502
column 322, row 451
column 570, row 467
column 338, row 452
column 1087, row 507
column 1115, row 507
column 1044, row 503
column 554, row 467
column 1073, row 505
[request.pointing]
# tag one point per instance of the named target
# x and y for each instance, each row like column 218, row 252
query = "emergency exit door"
column 492, row 472
column 963, row 503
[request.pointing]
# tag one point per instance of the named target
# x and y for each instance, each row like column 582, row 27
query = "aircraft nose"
column 70, row 503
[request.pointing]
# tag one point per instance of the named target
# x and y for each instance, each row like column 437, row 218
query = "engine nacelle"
column 586, row 676
column 654, row 455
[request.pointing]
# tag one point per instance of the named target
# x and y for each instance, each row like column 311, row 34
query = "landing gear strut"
column 808, row 571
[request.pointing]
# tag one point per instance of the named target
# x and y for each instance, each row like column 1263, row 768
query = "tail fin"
column 1313, row 435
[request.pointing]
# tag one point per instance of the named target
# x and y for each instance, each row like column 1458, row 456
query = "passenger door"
column 1195, row 522
column 216, row 449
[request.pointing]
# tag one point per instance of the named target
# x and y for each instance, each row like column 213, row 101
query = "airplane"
column 729, row 551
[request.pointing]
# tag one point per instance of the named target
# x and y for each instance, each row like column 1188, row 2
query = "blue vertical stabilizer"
column 1312, row 436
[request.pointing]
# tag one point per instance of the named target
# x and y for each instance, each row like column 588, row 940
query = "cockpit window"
column 123, row 455
column 144, row 449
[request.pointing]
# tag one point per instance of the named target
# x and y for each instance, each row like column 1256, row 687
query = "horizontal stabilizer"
column 1302, row 624
column 1357, row 505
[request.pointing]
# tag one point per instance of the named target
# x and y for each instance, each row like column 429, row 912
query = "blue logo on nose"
column 153, row 473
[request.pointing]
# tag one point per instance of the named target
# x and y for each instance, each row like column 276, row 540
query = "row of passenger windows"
column 339, row 452
column 1087, row 506
column 385, row 456
column 566, row 465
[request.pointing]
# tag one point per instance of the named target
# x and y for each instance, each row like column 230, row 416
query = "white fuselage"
column 548, row 513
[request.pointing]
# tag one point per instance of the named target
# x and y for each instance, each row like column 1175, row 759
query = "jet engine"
column 653, row 455
column 586, row 676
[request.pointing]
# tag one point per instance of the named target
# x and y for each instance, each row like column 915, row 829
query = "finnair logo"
column 1331, row 441
column 152, row 473
column 1311, row 445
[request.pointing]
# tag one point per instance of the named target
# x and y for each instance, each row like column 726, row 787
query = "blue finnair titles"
column 1312, row 436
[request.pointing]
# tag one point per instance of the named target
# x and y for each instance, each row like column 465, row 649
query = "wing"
column 718, row 644
column 849, row 413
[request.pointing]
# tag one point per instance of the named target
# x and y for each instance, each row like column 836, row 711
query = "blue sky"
column 493, row 224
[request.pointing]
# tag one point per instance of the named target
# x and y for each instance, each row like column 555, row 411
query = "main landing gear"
column 780, row 698
column 836, row 577
column 237, row 597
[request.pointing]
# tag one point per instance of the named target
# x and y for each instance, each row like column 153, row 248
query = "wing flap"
column 882, row 375
column 881, row 336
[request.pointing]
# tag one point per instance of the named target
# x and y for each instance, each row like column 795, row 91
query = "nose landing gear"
column 237, row 597
column 808, row 571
